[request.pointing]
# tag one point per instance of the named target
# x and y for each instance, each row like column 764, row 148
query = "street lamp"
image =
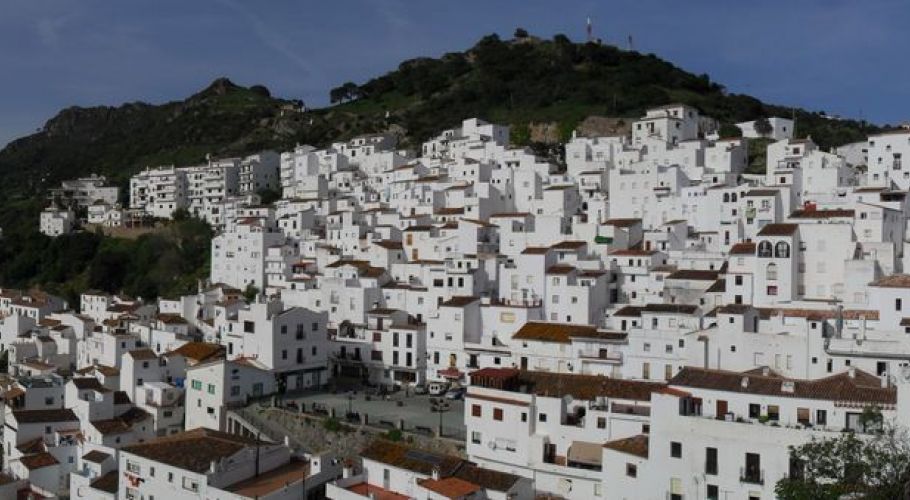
column 442, row 406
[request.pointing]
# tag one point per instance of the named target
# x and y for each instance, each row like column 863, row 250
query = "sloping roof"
column 200, row 351
column 778, row 230
column 44, row 416
column 629, row 312
column 821, row 214
column 460, row 301
column 550, row 384
column 622, row 222
column 449, row 487
column 404, row 457
column 38, row 461
column 487, row 478
column 552, row 332
column 635, row 445
column 83, row 383
column 143, row 354
column 861, row 387
column 96, row 456
column 744, row 248
column 893, row 281
column 108, row 482
column 191, row 450
column 670, row 308
column 693, row 274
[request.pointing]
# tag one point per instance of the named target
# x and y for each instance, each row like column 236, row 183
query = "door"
column 721, row 412
column 524, row 363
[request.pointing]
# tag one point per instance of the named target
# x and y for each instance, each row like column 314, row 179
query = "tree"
column 346, row 92
column 520, row 33
column 763, row 127
column 250, row 293
column 870, row 466
column 728, row 130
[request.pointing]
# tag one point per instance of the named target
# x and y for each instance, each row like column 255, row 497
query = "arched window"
column 765, row 249
column 771, row 272
column 733, row 198
column 726, row 197
column 782, row 250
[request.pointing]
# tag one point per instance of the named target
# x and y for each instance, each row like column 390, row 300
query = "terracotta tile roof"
column 122, row 398
column 560, row 269
column 569, row 245
column 123, row 423
column 893, row 281
column 44, row 416
column 821, row 214
column 860, row 388
column 143, row 354
column 367, row 490
column 268, row 482
column 38, row 461
column 460, row 301
column 487, row 478
column 389, row 244
column 622, row 222
column 719, row 286
column 200, row 351
column 172, row 319
column 635, row 445
column 552, row 332
column 633, row 252
column 509, row 214
column 744, row 248
column 404, row 457
column 96, row 456
column 191, row 450
column 761, row 192
column 819, row 314
column 549, row 384
column 670, row 308
column 629, row 312
column 778, row 230
column 449, row 487
column 108, row 483
column 693, row 274
column 535, row 251
column 83, row 383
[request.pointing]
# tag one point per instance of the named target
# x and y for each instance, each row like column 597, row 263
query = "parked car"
column 438, row 388
column 456, row 393
column 420, row 389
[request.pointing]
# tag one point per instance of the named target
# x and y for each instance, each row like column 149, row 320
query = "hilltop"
column 543, row 88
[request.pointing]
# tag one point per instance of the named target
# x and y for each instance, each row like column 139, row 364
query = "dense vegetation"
column 519, row 82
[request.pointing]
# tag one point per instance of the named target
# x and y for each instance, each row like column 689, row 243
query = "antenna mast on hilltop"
column 590, row 30
column 631, row 46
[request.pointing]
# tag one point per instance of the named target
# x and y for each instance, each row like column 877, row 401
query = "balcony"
column 601, row 356
column 752, row 475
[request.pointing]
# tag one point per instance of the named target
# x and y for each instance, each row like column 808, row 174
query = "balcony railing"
column 751, row 476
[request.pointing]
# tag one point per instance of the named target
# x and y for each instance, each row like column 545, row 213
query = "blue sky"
column 844, row 57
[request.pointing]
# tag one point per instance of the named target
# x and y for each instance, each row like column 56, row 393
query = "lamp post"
column 442, row 406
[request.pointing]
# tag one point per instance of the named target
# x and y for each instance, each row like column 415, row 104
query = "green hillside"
column 520, row 82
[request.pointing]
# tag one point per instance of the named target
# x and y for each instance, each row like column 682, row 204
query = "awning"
column 586, row 453
column 451, row 372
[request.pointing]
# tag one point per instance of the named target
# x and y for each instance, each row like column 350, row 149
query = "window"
column 211, row 388
column 524, row 417
column 475, row 437
column 773, row 412
column 631, row 470
column 765, row 249
column 542, row 417
column 713, row 492
column 497, row 414
column 196, row 384
column 133, row 467
column 771, row 272
column 189, row 484
column 754, row 410
column 675, row 449
column 152, row 471
column 782, row 250
column 475, row 411
column 646, row 371
column 897, row 304
column 821, row 417
column 711, row 461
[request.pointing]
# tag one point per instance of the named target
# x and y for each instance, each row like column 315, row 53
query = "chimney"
column 851, row 372
column 436, row 473
column 788, row 386
column 745, row 382
column 213, row 467
column 287, row 441
column 765, row 371
column 886, row 380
